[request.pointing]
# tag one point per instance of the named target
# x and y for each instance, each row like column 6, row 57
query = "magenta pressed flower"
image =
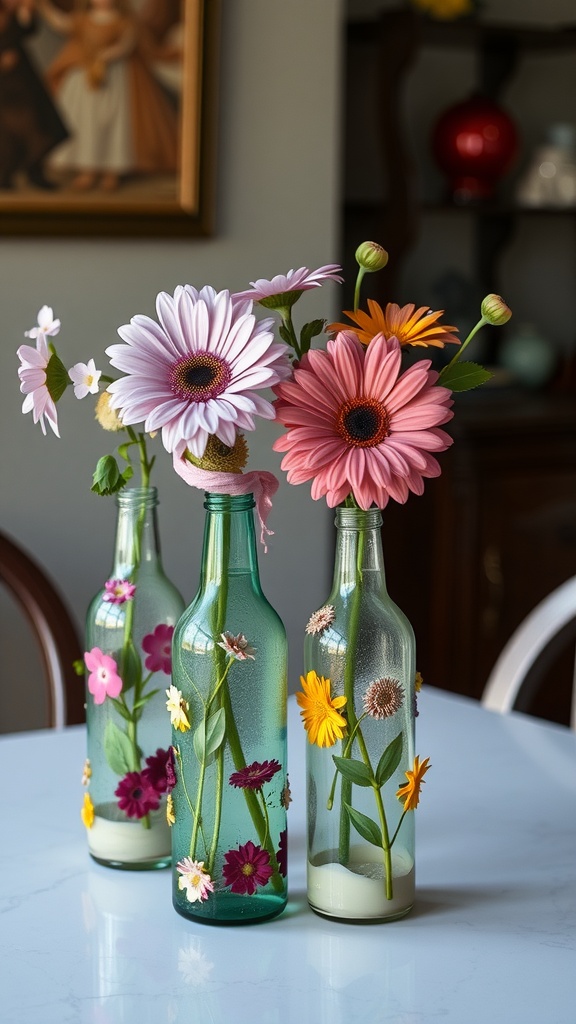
column 237, row 646
column 246, row 868
column 158, row 647
column 358, row 425
column 33, row 383
column 136, row 797
column 282, row 853
column 294, row 281
column 196, row 373
column 103, row 680
column 118, row 591
column 253, row 776
column 160, row 771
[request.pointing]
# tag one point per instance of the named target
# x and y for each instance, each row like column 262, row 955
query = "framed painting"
column 108, row 117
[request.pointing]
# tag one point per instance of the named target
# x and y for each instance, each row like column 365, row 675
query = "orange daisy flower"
column 409, row 792
column 410, row 325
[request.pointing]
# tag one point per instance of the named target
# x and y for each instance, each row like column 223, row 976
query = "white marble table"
column 491, row 939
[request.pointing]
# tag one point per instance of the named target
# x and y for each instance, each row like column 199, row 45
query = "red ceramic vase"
column 475, row 143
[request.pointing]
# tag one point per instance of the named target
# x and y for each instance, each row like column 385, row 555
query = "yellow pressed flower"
column 178, row 708
column 107, row 417
column 418, row 682
column 409, row 792
column 410, row 325
column 170, row 816
column 86, row 772
column 87, row 812
column 322, row 721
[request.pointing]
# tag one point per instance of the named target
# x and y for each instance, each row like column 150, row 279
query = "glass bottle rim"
column 357, row 518
column 136, row 497
column 228, row 502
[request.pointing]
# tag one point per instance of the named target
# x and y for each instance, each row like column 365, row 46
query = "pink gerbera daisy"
column 358, row 426
column 246, row 868
column 158, row 647
column 118, row 591
column 253, row 776
column 136, row 796
column 195, row 373
column 103, row 680
column 291, row 285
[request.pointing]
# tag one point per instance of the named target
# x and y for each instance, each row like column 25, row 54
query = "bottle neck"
column 359, row 557
column 137, row 543
column 229, row 539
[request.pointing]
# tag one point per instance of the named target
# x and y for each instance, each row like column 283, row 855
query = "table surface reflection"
column 491, row 937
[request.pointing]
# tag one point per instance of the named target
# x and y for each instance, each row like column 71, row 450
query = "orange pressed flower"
column 320, row 711
column 409, row 792
column 410, row 325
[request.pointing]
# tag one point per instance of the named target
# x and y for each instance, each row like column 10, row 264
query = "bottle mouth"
column 137, row 497
column 228, row 502
column 357, row 518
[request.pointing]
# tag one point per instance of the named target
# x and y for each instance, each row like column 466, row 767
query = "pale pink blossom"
column 294, row 281
column 237, row 647
column 103, row 680
column 47, row 326
column 194, row 879
column 118, row 591
column 33, row 383
column 359, row 426
column 85, row 378
column 196, row 373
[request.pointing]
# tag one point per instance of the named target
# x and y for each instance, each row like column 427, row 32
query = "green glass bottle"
column 228, row 711
column 359, row 658
column 129, row 628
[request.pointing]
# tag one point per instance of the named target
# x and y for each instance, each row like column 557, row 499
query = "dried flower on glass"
column 136, row 797
column 87, row 811
column 282, row 853
column 194, row 879
column 178, row 708
column 320, row 620
column 237, row 647
column 320, row 712
column 103, row 680
column 409, row 792
column 286, row 795
column 159, row 771
column 383, row 698
column 246, row 868
column 170, row 815
column 118, row 591
column 255, row 775
column 158, row 648
column 86, row 772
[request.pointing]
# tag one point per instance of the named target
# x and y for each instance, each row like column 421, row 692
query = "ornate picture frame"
column 153, row 159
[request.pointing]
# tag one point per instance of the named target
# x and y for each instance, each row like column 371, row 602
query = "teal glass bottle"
column 359, row 655
column 129, row 628
column 228, row 712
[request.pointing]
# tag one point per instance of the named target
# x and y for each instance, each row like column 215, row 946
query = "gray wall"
column 277, row 208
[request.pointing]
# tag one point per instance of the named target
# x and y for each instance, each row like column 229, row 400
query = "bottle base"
column 343, row 919
column 144, row 865
column 231, row 909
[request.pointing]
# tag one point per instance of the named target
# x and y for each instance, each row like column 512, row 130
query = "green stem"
column 359, row 279
column 346, row 753
column 349, row 673
column 286, row 315
column 217, row 809
column 393, row 840
column 462, row 348
column 386, row 844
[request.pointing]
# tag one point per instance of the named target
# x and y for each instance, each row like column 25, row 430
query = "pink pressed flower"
column 196, row 373
column 160, row 771
column 103, row 680
column 246, row 868
column 254, row 775
column 85, row 378
column 357, row 425
column 158, row 647
column 237, row 646
column 33, row 383
column 136, row 797
column 47, row 326
column 118, row 591
column 194, row 879
column 282, row 854
column 294, row 281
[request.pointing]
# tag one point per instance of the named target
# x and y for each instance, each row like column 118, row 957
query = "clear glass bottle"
column 125, row 800
column 360, row 844
column 229, row 732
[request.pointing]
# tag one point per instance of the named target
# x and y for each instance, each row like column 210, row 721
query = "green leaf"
column 129, row 666
column 367, row 828
column 124, row 450
column 57, row 379
column 309, row 331
column 107, row 478
column 209, row 735
column 144, row 700
column 463, row 376
column 355, row 771
column 285, row 334
column 121, row 709
column 390, row 760
column 118, row 749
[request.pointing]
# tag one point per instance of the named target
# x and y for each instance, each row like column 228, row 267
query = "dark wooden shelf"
column 472, row 33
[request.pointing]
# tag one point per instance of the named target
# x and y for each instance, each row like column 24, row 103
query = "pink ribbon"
column 261, row 484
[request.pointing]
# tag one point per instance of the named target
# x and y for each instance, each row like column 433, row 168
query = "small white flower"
column 85, row 377
column 47, row 325
column 178, row 708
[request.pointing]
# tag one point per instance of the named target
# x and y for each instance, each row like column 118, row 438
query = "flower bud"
column 495, row 311
column 220, row 458
column 371, row 256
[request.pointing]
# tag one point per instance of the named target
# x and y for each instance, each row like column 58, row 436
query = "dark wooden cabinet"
column 488, row 539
